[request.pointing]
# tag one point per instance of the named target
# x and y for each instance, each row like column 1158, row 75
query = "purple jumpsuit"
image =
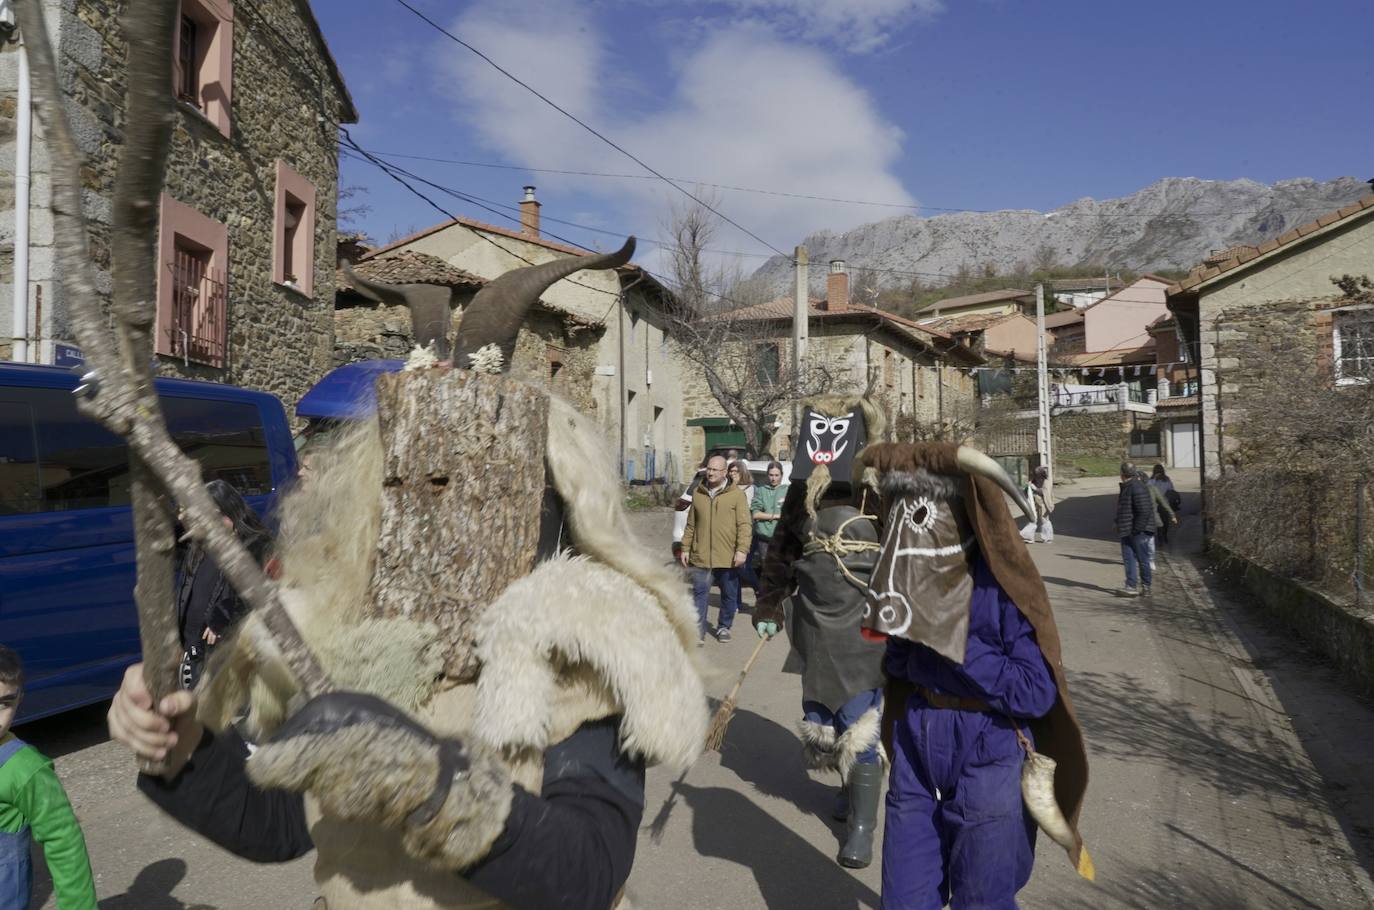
column 956, row 829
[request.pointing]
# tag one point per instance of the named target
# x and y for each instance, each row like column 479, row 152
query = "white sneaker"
column 1152, row 566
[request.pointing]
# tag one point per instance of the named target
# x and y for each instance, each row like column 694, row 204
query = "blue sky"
column 979, row 104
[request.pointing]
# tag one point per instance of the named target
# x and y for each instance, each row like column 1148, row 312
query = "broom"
column 715, row 734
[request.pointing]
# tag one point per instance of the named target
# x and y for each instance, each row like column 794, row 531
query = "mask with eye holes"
column 923, row 582
column 827, row 440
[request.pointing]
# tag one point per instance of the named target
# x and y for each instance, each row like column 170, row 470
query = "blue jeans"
column 843, row 719
column 728, row 582
column 748, row 575
column 1136, row 550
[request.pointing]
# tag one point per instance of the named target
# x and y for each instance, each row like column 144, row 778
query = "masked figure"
column 977, row 710
column 521, row 785
column 815, row 577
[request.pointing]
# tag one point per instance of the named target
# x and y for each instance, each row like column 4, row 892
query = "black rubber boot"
column 865, row 788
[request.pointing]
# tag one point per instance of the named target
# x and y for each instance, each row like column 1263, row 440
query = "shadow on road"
column 789, row 871
column 1125, row 720
column 772, row 763
column 1215, row 879
column 1070, row 583
column 152, row 889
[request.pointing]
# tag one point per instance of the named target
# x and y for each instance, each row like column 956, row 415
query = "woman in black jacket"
column 207, row 605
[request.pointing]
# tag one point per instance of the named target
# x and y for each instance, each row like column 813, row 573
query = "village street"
column 1229, row 768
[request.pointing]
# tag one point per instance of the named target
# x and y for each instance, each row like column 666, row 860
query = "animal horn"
column 975, row 462
column 379, row 291
column 496, row 313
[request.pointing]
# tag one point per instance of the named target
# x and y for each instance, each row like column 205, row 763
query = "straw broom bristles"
column 715, row 734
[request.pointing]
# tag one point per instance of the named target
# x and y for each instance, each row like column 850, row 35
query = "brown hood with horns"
column 1057, row 734
column 497, row 312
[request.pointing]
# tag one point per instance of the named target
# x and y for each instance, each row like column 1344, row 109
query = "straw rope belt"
column 839, row 547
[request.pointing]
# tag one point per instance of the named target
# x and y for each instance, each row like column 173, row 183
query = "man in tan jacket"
column 715, row 545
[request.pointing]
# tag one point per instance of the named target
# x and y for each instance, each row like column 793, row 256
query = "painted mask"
column 921, row 587
column 829, row 440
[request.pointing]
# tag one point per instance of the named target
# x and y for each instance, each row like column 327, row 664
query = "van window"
column 18, row 467
column 80, row 465
column 226, row 437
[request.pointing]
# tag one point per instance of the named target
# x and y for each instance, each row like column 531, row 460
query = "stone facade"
column 907, row 379
column 286, row 102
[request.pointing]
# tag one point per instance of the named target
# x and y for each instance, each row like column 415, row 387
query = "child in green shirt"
column 33, row 805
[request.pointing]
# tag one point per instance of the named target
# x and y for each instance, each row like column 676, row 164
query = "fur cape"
column 1057, row 734
column 611, row 631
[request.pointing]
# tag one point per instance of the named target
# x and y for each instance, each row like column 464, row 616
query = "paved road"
column 1229, row 769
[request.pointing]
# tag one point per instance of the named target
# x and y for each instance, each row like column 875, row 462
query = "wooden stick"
column 715, row 734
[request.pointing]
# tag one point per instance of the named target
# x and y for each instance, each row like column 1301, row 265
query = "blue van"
column 66, row 529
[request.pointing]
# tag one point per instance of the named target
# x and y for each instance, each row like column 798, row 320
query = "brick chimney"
column 529, row 214
column 837, row 286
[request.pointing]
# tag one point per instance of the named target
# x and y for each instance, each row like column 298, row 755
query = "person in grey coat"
column 1164, row 516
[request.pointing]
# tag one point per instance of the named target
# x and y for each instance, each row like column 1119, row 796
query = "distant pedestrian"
column 766, row 508
column 1135, row 524
column 1042, row 500
column 738, row 476
column 1160, row 481
column 208, row 607
column 715, row 544
column 1164, row 517
column 34, row 806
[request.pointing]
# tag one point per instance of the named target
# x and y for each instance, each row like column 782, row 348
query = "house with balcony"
column 1001, row 302
column 245, row 283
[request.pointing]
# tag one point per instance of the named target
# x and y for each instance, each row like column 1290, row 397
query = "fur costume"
column 406, row 789
column 815, row 579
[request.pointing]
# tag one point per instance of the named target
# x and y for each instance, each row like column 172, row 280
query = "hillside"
column 1171, row 224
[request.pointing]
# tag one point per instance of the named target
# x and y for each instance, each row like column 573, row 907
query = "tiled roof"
column 781, row 309
column 953, row 303
column 975, row 322
column 410, row 267
column 1186, row 402
column 1236, row 257
column 1060, row 320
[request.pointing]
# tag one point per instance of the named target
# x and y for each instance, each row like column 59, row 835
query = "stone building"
column 1241, row 307
column 634, row 387
column 555, row 348
column 919, row 375
column 247, row 215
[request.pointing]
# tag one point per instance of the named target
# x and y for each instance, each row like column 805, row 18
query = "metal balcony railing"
column 199, row 330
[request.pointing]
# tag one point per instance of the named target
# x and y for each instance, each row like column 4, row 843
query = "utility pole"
column 800, row 315
column 1042, row 442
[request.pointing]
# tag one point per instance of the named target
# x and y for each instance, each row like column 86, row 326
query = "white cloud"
column 855, row 26
column 743, row 107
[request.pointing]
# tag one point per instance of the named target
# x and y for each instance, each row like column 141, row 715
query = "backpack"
column 1175, row 501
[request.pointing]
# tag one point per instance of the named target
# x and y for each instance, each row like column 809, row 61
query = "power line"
column 819, row 198
column 396, row 174
column 525, row 85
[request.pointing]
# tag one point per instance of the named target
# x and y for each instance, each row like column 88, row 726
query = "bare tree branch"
column 742, row 360
column 119, row 390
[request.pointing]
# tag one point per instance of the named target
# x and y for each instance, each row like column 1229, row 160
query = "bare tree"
column 742, row 354
column 118, row 391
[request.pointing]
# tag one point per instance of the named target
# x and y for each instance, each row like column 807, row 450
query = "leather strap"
column 951, row 702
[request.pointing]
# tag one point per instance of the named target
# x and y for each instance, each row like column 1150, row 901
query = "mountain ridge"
column 1170, row 224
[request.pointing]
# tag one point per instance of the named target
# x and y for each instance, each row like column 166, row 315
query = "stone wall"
column 284, row 107
column 1105, row 435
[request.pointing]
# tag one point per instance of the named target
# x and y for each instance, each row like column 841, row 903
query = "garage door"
column 1183, row 445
